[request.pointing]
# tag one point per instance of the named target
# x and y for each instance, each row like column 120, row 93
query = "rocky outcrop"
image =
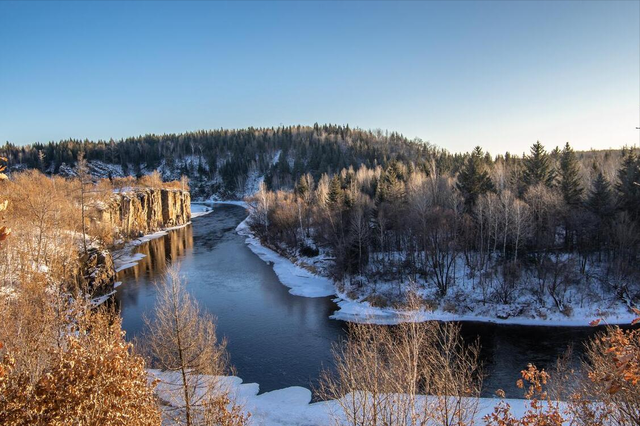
column 97, row 270
column 146, row 210
column 132, row 214
column 176, row 207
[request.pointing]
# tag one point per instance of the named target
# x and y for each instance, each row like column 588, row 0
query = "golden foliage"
column 4, row 231
column 613, row 376
column 220, row 410
column 154, row 180
column 541, row 411
column 94, row 378
column 3, row 168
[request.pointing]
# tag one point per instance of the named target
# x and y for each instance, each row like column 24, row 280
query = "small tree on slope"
column 181, row 340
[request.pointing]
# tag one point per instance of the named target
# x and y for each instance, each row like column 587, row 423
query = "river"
column 280, row 340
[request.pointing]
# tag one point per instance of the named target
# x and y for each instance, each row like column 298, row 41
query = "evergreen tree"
column 335, row 190
column 570, row 186
column 537, row 167
column 473, row 179
column 304, row 186
column 629, row 185
column 600, row 201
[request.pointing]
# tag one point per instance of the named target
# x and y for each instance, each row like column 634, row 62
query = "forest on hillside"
column 231, row 163
column 221, row 161
column 544, row 234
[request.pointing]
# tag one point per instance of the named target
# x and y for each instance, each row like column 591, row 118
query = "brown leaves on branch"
column 622, row 353
column 541, row 410
column 94, row 378
column 181, row 341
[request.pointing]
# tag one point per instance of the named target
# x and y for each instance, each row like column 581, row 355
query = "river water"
column 280, row 340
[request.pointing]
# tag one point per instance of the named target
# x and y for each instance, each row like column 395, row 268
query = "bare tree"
column 260, row 206
column 414, row 374
column 83, row 176
column 181, row 339
column 521, row 223
column 4, row 231
column 360, row 229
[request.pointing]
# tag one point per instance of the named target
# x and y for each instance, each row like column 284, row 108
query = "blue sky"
column 458, row 74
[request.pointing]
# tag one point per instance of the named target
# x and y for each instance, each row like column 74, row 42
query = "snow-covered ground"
column 300, row 281
column 362, row 311
column 292, row 406
column 200, row 209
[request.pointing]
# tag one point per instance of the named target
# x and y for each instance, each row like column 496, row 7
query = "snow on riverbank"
column 124, row 258
column 363, row 312
column 300, row 281
column 199, row 209
column 292, row 406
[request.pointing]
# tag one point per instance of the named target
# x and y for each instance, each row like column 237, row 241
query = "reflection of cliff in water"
column 159, row 254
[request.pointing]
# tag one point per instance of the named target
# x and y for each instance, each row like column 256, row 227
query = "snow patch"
column 199, row 209
column 292, row 406
column 300, row 281
column 363, row 312
column 123, row 261
column 101, row 299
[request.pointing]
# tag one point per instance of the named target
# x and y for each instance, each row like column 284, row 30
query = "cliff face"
column 145, row 210
column 134, row 213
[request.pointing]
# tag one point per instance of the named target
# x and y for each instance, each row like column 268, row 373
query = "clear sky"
column 458, row 74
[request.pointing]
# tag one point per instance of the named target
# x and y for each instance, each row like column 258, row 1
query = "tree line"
column 555, row 214
column 219, row 161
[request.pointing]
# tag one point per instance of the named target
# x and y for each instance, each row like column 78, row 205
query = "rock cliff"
column 131, row 214
column 142, row 211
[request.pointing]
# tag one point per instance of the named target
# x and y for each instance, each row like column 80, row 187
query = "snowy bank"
column 363, row 312
column 300, row 281
column 292, row 406
column 199, row 209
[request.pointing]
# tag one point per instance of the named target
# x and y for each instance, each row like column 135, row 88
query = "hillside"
column 228, row 163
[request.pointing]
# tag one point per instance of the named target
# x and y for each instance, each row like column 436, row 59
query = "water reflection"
column 159, row 253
